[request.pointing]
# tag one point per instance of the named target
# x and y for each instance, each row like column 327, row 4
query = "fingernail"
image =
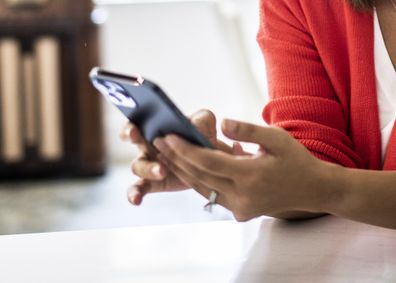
column 231, row 126
column 201, row 114
column 126, row 133
column 156, row 170
column 132, row 197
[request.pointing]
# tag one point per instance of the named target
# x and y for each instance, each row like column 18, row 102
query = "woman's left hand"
column 281, row 176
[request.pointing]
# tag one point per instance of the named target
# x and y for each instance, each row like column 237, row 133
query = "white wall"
column 202, row 53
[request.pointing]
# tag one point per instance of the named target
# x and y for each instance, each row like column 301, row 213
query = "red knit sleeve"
column 302, row 99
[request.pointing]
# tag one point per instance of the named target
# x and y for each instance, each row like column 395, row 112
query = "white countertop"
column 264, row 250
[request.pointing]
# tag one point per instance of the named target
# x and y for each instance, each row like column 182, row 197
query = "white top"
column 385, row 75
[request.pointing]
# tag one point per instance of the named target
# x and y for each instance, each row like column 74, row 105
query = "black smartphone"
column 146, row 105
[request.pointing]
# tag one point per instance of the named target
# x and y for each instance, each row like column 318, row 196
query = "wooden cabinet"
column 59, row 127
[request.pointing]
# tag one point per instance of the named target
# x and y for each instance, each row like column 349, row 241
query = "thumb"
column 205, row 122
column 272, row 139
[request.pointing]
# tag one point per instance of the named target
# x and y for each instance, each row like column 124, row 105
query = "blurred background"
column 203, row 53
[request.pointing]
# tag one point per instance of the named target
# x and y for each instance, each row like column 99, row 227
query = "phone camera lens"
column 118, row 95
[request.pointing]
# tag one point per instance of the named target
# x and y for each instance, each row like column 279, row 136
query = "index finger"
column 215, row 162
column 205, row 121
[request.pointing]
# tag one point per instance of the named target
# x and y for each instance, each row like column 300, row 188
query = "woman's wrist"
column 328, row 192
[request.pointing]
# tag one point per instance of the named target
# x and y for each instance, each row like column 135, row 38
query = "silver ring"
column 212, row 201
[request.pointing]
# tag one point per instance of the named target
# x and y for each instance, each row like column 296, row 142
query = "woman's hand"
column 281, row 177
column 155, row 175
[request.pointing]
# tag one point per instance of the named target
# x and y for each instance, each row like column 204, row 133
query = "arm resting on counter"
column 362, row 195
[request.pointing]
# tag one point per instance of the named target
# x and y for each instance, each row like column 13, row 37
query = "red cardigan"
column 320, row 66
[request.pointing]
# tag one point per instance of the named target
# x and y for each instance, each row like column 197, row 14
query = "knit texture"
column 320, row 66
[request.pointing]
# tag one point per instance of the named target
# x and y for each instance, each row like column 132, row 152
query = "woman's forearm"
column 361, row 195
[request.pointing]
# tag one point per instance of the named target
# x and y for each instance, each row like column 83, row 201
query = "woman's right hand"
column 155, row 176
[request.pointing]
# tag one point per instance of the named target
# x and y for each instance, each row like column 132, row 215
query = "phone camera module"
column 118, row 96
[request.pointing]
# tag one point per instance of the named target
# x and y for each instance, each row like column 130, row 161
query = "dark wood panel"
column 90, row 107
column 82, row 121
column 54, row 10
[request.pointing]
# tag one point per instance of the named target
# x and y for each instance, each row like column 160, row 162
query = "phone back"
column 146, row 106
